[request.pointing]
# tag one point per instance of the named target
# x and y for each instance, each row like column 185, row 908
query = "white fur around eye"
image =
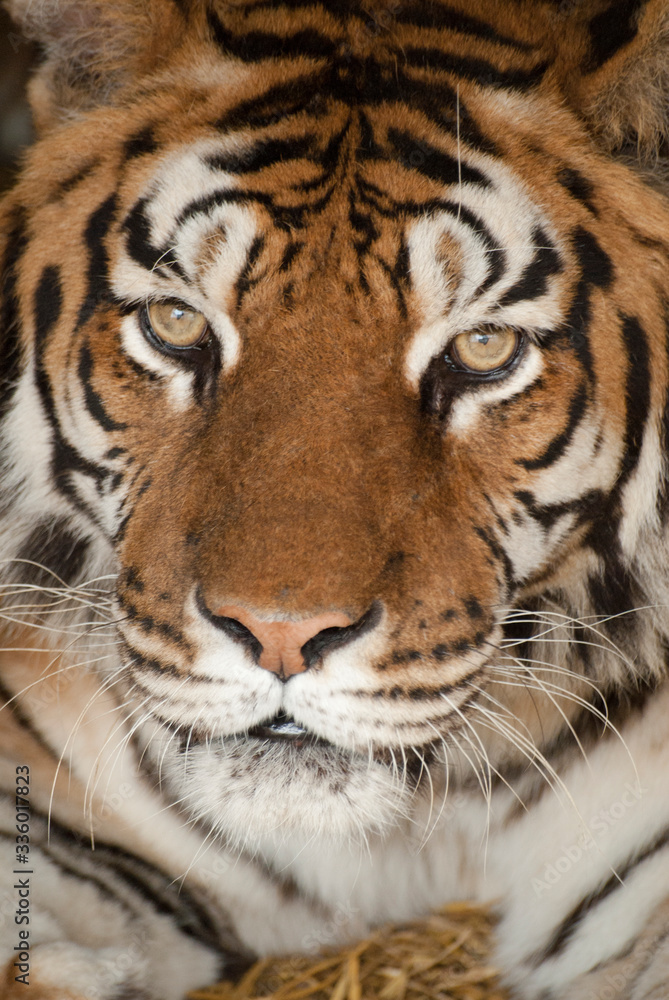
column 175, row 380
column 466, row 410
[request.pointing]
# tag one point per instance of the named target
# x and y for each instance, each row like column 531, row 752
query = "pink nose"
column 282, row 641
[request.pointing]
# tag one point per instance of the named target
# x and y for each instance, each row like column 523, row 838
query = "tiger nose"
column 282, row 642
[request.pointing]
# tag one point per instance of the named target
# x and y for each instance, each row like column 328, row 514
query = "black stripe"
column 47, row 306
column 477, row 70
column 72, row 867
column 396, row 286
column 138, row 243
column 96, row 230
column 361, row 223
column 619, row 707
column 578, row 186
column 438, row 101
column 136, row 661
column 230, row 626
column 292, row 250
column 533, row 282
column 402, row 266
column 74, row 180
column 149, row 625
column 130, row 579
column 663, row 496
column 10, row 331
column 495, row 255
column 93, row 400
column 277, row 104
column 612, row 29
column 595, row 263
column 498, row 553
column 577, row 326
column 637, row 395
column 140, row 370
column 26, row 722
column 443, row 106
column 244, row 282
column 176, row 901
column 596, row 270
column 285, row 217
column 262, row 154
column 435, row 15
column 54, row 545
column 563, row 935
column 328, row 157
column 390, row 208
column 140, row 143
column 561, row 442
column 585, row 507
column 338, row 9
column 416, row 154
column 588, row 727
column 614, row 590
column 538, row 385
column 350, row 83
column 254, row 46
column 119, row 534
column 501, row 524
column 152, row 884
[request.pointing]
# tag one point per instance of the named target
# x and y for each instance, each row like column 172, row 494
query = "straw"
column 444, row 956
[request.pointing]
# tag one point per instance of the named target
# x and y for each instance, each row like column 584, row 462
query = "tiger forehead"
column 319, row 180
column 348, row 30
column 240, row 240
column 257, row 226
column 239, row 218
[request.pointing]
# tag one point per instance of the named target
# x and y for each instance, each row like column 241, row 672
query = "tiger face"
column 344, row 350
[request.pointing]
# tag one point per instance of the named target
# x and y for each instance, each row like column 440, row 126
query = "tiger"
column 334, row 409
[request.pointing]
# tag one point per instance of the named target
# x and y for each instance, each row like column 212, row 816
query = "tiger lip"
column 283, row 727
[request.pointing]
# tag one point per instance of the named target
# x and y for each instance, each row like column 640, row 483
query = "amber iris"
column 176, row 324
column 485, row 351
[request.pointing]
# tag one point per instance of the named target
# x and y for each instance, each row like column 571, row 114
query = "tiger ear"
column 91, row 49
column 619, row 80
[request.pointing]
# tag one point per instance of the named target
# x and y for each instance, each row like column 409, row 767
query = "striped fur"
column 342, row 190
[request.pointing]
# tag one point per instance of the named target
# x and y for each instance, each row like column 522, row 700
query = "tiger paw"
column 65, row 971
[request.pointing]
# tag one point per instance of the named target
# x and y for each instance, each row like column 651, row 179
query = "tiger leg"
column 641, row 972
column 94, row 925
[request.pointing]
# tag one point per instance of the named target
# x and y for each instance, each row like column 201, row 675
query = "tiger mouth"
column 283, row 727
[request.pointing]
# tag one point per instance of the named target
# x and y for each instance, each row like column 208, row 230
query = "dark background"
column 16, row 57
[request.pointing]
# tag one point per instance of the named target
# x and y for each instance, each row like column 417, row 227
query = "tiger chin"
column 333, row 499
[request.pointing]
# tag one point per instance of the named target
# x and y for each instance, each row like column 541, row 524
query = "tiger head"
column 337, row 333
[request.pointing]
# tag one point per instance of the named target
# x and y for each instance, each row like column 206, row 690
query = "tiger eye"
column 176, row 324
column 485, row 350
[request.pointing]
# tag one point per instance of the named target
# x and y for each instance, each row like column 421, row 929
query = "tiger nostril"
column 335, row 637
column 234, row 629
column 288, row 648
column 312, row 649
column 281, row 642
